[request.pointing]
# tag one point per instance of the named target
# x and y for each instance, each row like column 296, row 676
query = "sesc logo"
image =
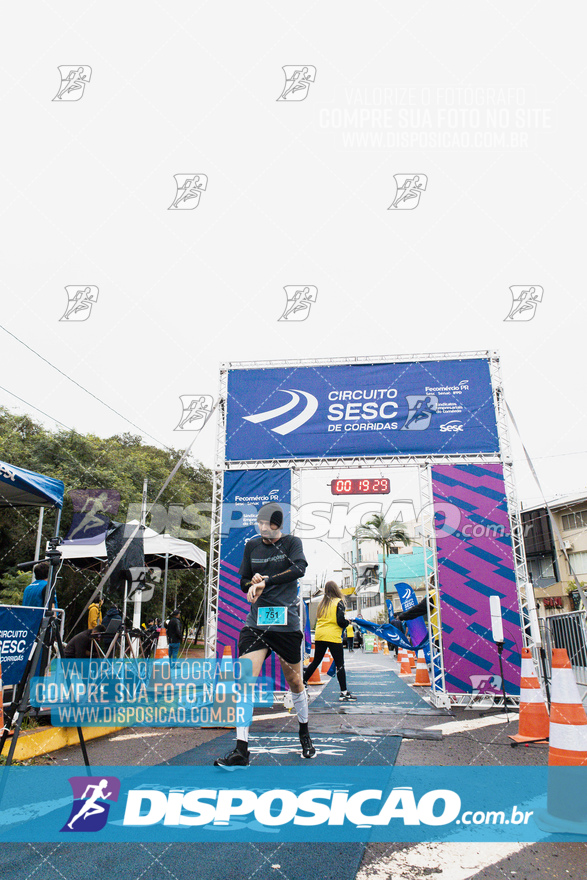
column 452, row 426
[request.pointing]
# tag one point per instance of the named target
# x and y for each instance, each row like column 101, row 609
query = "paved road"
column 460, row 738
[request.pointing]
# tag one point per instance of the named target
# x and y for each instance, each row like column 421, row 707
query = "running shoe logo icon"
column 311, row 405
column 90, row 808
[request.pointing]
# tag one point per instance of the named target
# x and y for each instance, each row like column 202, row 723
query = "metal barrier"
column 568, row 631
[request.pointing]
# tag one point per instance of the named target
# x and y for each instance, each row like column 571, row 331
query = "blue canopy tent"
column 22, row 488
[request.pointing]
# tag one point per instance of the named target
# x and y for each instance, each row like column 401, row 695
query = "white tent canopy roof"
column 154, row 543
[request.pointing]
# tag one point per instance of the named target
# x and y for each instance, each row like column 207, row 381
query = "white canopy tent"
column 182, row 554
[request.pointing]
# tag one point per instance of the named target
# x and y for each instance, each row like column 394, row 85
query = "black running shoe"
column 234, row 760
column 347, row 697
column 308, row 750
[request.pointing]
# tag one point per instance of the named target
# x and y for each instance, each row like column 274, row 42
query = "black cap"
column 271, row 512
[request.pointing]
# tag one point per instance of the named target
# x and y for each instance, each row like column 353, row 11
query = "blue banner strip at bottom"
column 279, row 804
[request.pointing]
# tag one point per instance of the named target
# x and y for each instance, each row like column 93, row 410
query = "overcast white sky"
column 294, row 197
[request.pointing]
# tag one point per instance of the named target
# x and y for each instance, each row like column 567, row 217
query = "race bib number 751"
column 267, row 616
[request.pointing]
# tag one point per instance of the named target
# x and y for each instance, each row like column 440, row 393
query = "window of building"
column 576, row 520
column 579, row 562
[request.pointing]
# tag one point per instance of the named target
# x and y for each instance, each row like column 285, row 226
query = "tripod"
column 48, row 636
column 122, row 638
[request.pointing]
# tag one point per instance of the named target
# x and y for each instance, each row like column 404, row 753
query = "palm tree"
column 385, row 534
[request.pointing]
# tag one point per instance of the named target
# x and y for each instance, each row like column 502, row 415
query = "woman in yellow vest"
column 329, row 626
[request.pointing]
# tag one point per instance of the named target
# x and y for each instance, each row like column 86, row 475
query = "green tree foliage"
column 90, row 462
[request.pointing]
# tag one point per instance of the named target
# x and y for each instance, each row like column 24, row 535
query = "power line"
column 146, row 433
column 53, row 419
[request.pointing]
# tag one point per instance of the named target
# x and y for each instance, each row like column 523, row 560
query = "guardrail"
column 568, row 631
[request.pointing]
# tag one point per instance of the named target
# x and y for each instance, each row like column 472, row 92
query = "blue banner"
column 416, row 628
column 244, row 493
column 19, row 627
column 310, row 803
column 418, row 408
column 386, row 631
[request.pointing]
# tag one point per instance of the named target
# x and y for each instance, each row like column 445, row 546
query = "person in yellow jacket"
column 328, row 637
column 95, row 614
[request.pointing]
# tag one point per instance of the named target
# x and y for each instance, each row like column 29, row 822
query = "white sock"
column 300, row 702
column 242, row 733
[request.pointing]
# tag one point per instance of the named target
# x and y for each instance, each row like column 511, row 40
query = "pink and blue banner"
column 475, row 561
column 244, row 493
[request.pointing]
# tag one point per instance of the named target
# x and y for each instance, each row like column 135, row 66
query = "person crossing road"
column 271, row 566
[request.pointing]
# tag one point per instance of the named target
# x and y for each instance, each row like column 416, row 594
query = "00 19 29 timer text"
column 368, row 486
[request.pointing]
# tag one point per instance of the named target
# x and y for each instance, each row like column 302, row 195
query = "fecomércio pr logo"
column 90, row 802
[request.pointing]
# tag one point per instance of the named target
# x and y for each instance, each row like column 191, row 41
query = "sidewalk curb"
column 51, row 739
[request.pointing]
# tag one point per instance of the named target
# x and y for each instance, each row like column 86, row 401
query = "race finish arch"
column 444, row 414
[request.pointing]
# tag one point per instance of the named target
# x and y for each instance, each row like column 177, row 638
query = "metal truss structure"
column 423, row 462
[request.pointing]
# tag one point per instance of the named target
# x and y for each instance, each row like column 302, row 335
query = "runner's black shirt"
column 284, row 562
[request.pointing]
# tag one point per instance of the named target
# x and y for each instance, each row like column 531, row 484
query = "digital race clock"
column 367, row 486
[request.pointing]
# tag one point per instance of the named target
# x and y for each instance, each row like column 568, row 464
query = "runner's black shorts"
column 287, row 645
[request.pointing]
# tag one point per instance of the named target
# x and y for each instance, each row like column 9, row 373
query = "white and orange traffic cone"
column 534, row 722
column 568, row 721
column 326, row 664
column 315, row 677
column 412, row 658
column 567, row 758
column 422, row 677
column 162, row 649
column 405, row 668
column 376, row 646
column 227, row 652
column 385, row 648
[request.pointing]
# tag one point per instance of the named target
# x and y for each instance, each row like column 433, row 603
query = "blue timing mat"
column 377, row 692
column 283, row 750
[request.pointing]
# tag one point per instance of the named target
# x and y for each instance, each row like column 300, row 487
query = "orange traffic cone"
column 376, row 646
column 412, row 658
column 326, row 664
column 534, row 721
column 568, row 722
column 422, row 677
column 162, row 649
column 405, row 668
column 385, row 648
column 315, row 677
column 227, row 651
column 567, row 793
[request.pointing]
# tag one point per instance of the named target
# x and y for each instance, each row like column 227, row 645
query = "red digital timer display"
column 360, row 487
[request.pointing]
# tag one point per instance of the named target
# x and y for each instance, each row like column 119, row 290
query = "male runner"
column 271, row 565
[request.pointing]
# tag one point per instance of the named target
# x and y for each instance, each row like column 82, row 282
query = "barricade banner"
column 19, row 627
